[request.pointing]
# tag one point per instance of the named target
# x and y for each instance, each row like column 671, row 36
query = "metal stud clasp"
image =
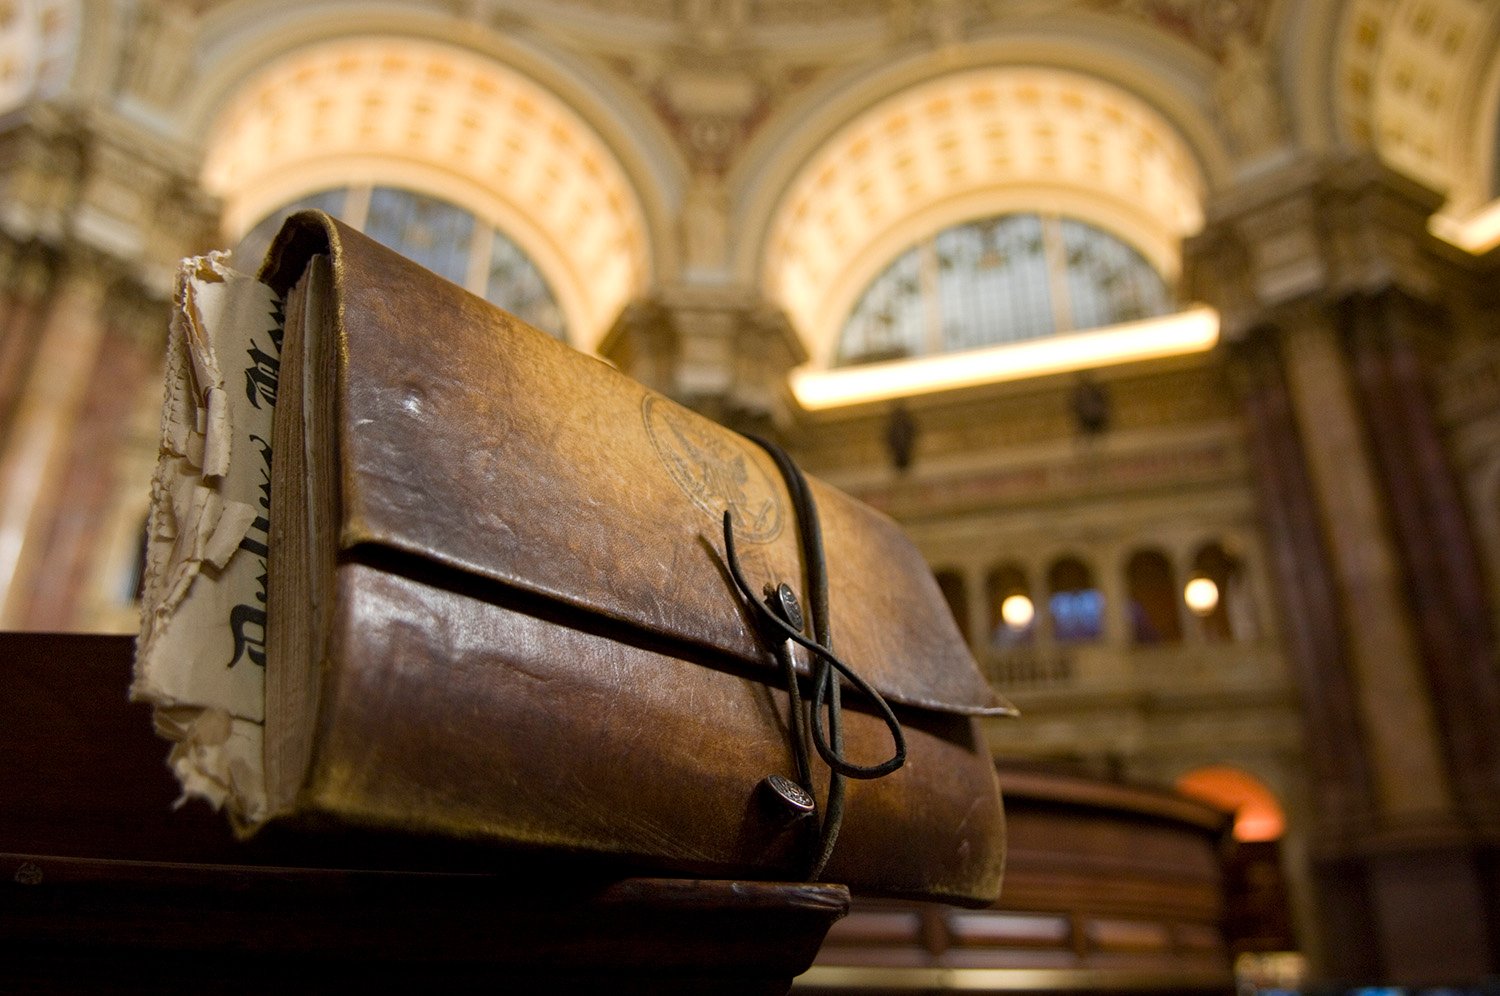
column 789, row 797
column 782, row 600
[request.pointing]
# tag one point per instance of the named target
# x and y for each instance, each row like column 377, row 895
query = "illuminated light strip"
column 1191, row 331
column 1199, row 976
column 1478, row 233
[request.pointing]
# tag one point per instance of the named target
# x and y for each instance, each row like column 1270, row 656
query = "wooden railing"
column 1108, row 888
column 1159, row 669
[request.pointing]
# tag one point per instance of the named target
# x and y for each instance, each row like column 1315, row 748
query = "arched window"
column 445, row 238
column 1217, row 594
column 1012, row 610
column 956, row 594
column 434, row 233
column 996, row 280
column 1154, row 616
column 1075, row 605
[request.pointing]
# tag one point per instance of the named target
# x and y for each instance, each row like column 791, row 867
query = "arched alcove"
column 1152, row 589
column 1012, row 607
column 1217, row 593
column 1075, row 605
column 966, row 145
column 447, row 122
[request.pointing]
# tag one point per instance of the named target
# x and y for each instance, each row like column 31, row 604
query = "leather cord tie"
column 781, row 615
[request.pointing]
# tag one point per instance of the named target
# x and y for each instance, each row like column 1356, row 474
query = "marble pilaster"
column 1306, row 264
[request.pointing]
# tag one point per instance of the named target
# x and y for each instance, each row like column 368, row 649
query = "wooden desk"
column 104, row 886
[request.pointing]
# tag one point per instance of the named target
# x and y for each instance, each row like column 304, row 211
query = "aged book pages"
column 304, row 490
column 202, row 648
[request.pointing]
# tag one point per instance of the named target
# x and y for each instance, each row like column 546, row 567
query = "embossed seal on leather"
column 716, row 471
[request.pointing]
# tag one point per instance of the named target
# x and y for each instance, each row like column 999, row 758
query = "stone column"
column 83, row 580
column 1307, row 598
column 1387, row 333
column 981, row 630
column 1118, row 632
column 34, row 456
column 1294, row 260
column 27, row 272
column 1401, row 731
column 98, row 214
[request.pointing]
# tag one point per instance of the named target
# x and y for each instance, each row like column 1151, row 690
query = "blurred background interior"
column 1166, row 328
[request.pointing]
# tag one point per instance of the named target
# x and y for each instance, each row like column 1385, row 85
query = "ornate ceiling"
column 38, row 45
column 964, row 145
column 780, row 145
column 443, row 120
column 1416, row 80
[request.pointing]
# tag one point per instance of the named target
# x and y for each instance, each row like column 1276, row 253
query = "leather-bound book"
column 493, row 589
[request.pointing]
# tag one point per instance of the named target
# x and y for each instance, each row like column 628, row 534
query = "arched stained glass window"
column 445, row 238
column 514, row 283
column 992, row 283
column 434, row 233
column 997, row 280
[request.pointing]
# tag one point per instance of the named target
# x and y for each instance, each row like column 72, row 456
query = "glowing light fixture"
column 1017, row 611
column 1258, row 814
column 1191, row 331
column 1478, row 233
column 1201, row 595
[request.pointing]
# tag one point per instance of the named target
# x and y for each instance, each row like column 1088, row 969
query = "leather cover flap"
column 470, row 440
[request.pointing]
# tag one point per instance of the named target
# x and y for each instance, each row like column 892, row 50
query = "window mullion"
column 357, row 206
column 476, row 281
column 932, row 308
column 1057, row 272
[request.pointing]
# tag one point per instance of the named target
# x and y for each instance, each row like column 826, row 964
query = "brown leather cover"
column 537, row 639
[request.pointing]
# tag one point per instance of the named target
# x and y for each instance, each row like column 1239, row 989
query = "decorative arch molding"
column 1169, row 76
column 1304, row 36
column 242, row 39
column 964, row 144
column 445, row 120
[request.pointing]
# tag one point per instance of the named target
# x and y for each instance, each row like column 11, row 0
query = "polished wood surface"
column 106, row 887
column 1108, row 888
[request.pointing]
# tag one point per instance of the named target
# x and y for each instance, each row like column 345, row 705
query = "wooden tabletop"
column 104, row 886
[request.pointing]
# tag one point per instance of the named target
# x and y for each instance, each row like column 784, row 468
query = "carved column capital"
column 95, row 184
column 1310, row 233
column 722, row 351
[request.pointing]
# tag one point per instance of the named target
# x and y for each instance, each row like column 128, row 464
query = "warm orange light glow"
column 1257, row 814
column 1186, row 332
